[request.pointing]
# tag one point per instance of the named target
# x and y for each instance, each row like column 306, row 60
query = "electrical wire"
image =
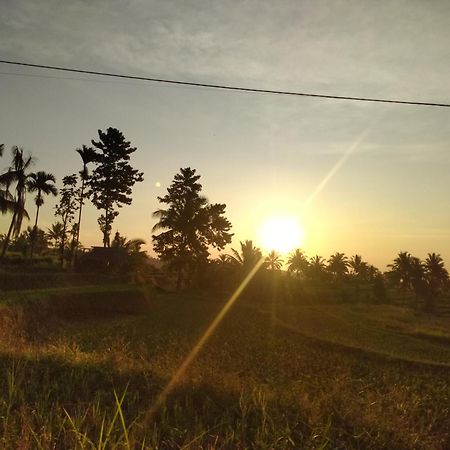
column 227, row 87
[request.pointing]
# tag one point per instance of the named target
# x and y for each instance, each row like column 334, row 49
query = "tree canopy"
column 111, row 182
column 190, row 225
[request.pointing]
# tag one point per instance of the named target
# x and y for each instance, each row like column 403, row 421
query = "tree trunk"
column 33, row 235
column 79, row 212
column 105, row 231
column 8, row 236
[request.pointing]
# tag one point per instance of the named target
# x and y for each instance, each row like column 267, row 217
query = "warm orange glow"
column 281, row 233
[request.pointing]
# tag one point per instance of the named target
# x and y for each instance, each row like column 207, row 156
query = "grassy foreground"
column 272, row 376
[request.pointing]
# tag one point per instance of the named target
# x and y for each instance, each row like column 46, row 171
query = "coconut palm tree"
column 338, row 265
column 54, row 233
column 273, row 261
column 358, row 266
column 297, row 262
column 437, row 278
column 249, row 256
column 43, row 184
column 7, row 203
column 401, row 270
column 88, row 155
column 317, row 267
column 18, row 175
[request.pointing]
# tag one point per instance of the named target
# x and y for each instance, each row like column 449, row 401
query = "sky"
column 362, row 178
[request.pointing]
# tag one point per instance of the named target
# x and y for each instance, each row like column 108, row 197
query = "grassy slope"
column 270, row 376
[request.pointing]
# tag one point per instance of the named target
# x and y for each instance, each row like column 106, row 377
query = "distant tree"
column 408, row 272
column 54, row 234
column 131, row 245
column 88, row 156
column 247, row 258
column 298, row 263
column 273, row 261
column 358, row 267
column 66, row 209
column 317, row 268
column 7, row 203
column 401, row 270
column 437, row 278
column 17, row 176
column 111, row 182
column 136, row 256
column 338, row 265
column 43, row 184
column 191, row 225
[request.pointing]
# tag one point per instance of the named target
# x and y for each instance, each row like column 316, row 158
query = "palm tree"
column 437, row 278
column 358, row 267
column 249, row 256
column 17, row 174
column 338, row 265
column 273, row 261
column 54, row 233
column 130, row 245
column 401, row 270
column 43, row 184
column 317, row 267
column 88, row 155
column 297, row 262
column 6, row 199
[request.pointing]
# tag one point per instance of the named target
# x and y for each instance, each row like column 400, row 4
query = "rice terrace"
column 224, row 225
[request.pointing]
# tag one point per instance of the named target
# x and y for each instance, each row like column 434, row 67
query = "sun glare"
column 281, row 234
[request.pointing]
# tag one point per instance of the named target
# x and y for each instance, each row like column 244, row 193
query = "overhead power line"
column 226, row 87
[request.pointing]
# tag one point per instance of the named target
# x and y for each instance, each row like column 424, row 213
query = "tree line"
column 187, row 227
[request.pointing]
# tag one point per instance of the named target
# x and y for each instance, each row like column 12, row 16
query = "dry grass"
column 264, row 380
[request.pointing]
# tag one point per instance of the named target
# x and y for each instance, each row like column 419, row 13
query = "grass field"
column 307, row 375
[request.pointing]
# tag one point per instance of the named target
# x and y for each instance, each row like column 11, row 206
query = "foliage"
column 191, row 225
column 65, row 210
column 110, row 184
column 88, row 156
column 317, row 268
column 338, row 265
column 43, row 184
column 273, row 261
column 298, row 263
column 313, row 376
column 247, row 258
column 16, row 176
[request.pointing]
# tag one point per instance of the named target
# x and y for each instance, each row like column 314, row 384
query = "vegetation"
column 95, row 346
column 111, row 182
column 303, row 375
column 191, row 225
column 43, row 184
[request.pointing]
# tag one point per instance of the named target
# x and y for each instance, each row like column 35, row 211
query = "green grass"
column 272, row 376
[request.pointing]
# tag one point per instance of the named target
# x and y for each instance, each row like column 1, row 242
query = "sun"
column 281, row 233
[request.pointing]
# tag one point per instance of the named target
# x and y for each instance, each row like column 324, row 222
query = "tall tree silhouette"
column 54, row 233
column 88, row 156
column 111, row 182
column 297, row 262
column 437, row 279
column 273, row 261
column 401, row 271
column 17, row 176
column 338, row 265
column 7, row 203
column 65, row 209
column 190, row 225
column 247, row 258
column 317, row 267
column 43, row 184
